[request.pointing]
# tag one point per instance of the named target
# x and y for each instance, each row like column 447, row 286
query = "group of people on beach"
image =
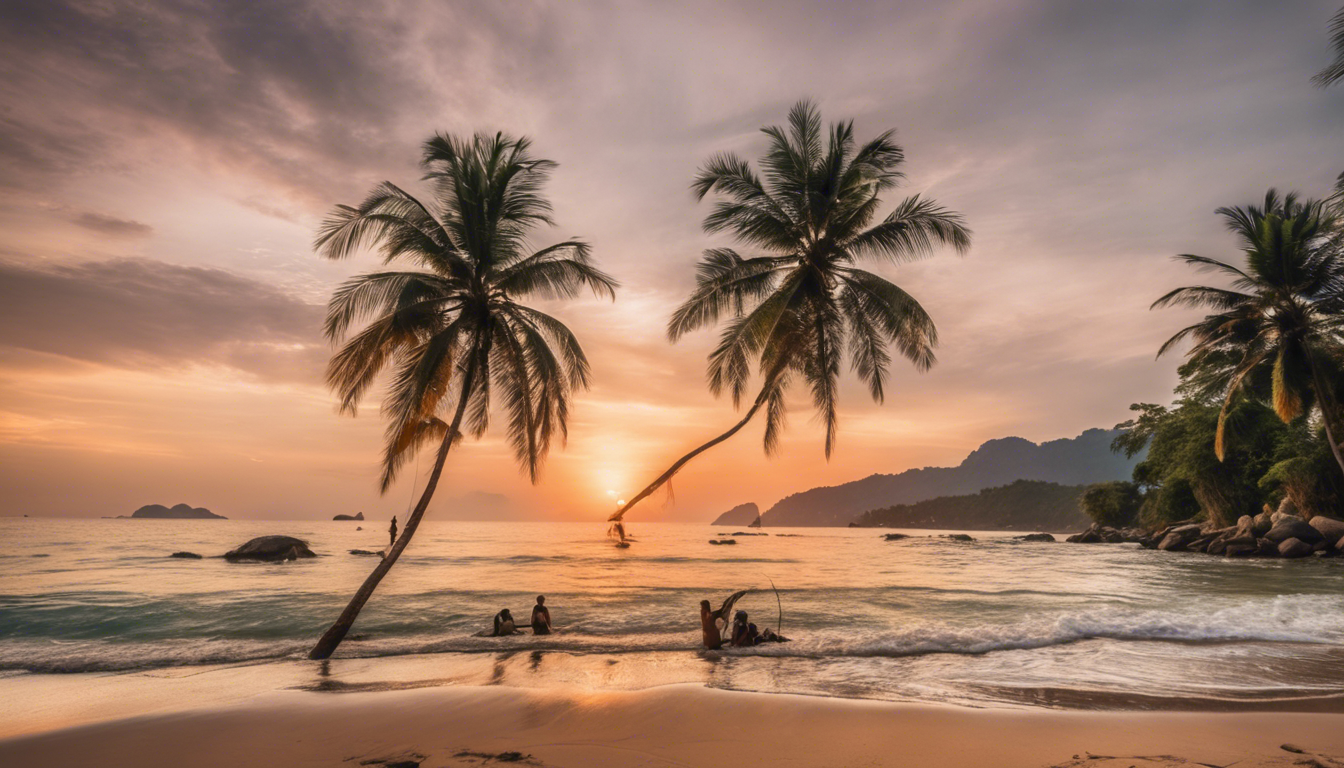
column 744, row 633
column 541, row 620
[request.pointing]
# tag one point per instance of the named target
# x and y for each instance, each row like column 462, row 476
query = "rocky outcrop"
column 895, row 536
column 356, row 516
column 1268, row 534
column 186, row 555
column 722, row 541
column 958, row 537
column 270, row 549
column 1105, row 534
column 1292, row 527
column 366, row 553
column 1035, row 537
column 179, row 512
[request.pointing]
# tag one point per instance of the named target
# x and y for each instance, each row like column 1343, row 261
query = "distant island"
column 1025, row 505
column 742, row 514
column 1072, row 461
column 356, row 516
column 179, row 512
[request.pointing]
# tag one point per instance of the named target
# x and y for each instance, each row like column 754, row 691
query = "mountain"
column 1081, row 460
column 1025, row 505
column 179, row 512
column 742, row 514
column 356, row 516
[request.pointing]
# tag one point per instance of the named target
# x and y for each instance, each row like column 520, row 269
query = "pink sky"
column 163, row 168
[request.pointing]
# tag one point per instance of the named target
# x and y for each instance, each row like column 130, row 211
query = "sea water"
column 996, row 621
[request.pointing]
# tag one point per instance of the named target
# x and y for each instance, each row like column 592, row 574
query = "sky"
column 164, row 167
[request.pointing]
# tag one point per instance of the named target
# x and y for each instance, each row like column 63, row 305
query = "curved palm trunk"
column 1327, row 408
column 663, row 478
column 333, row 636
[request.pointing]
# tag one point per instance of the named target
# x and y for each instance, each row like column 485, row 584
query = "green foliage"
column 1024, row 505
column 1335, row 70
column 1115, row 503
column 1306, row 476
column 795, row 311
column 453, row 332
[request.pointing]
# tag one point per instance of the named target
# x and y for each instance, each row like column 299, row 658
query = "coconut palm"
column 452, row 332
column 1282, row 321
column 1335, row 71
column 797, row 309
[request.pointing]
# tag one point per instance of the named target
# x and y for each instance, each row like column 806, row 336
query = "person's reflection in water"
column 534, row 660
column 497, row 676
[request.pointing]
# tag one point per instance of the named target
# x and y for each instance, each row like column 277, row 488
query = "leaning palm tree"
column 1281, row 322
column 798, row 308
column 1335, row 71
column 453, row 332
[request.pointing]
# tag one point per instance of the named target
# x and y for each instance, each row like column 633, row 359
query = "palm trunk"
column 663, row 478
column 333, row 636
column 1324, row 399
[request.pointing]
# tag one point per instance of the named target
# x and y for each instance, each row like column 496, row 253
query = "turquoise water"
column 996, row 621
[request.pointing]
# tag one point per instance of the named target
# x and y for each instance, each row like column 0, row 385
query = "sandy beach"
column 264, row 715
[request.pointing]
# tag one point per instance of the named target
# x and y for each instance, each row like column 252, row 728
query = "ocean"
column 994, row 622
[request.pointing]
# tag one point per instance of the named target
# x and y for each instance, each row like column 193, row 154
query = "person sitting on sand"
column 708, row 628
column 504, row 624
column 541, row 617
column 744, row 633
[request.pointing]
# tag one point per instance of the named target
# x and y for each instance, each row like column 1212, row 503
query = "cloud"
column 137, row 313
column 111, row 225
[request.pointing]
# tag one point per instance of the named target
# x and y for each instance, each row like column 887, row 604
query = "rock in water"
column 958, row 537
column 270, row 549
column 356, row 516
column 1035, row 537
column 186, row 555
column 1294, row 548
column 1179, row 537
column 895, row 536
column 179, row 512
column 366, row 552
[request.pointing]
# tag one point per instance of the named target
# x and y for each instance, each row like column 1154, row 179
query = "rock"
column 270, row 549
column 356, row 516
column 1241, row 549
column 1089, row 536
column 366, row 552
column 1179, row 538
column 1291, row 548
column 957, row 537
column 1291, row 527
column 1035, row 537
column 895, row 536
column 1287, row 507
column 186, row 555
column 1266, row 548
column 1330, row 528
column 1262, row 523
column 723, row 541
column 359, row 527
column 1323, row 546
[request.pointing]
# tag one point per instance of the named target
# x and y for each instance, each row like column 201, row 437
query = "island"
column 179, row 512
column 356, row 516
column 742, row 514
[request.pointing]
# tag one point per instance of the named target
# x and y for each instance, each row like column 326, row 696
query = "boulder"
column 1241, row 549
column 895, row 536
column 1292, row 527
column 1290, row 548
column 723, row 541
column 1179, row 538
column 1331, row 530
column 366, row 552
column 1245, row 526
column 1089, row 536
column 1035, row 537
column 186, row 555
column 1261, row 523
column 270, row 549
column 958, row 537
column 1266, row 548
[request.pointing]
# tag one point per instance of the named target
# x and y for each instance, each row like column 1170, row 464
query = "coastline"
column 385, row 711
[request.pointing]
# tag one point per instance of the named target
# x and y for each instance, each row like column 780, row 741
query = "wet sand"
column 272, row 715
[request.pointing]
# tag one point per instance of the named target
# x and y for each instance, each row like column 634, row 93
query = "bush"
column 1115, row 504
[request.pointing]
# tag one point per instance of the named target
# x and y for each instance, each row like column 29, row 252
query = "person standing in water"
column 708, row 628
column 392, row 532
column 541, row 617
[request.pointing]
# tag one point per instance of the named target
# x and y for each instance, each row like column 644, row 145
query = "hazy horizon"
column 160, row 303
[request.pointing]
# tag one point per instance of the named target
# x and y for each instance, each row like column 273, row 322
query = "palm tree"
column 1282, row 322
column 453, row 332
column 1335, row 71
column 799, row 307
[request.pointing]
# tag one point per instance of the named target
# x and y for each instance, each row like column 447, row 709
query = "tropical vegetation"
column 452, row 331
column 799, row 308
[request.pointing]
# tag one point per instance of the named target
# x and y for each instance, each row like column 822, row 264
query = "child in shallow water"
column 504, row 624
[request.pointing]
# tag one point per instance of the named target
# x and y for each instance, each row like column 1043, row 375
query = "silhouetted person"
column 504, row 624
column 392, row 532
column 541, row 617
column 708, row 628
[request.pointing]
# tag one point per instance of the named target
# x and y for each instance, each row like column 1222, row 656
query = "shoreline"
column 678, row 725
